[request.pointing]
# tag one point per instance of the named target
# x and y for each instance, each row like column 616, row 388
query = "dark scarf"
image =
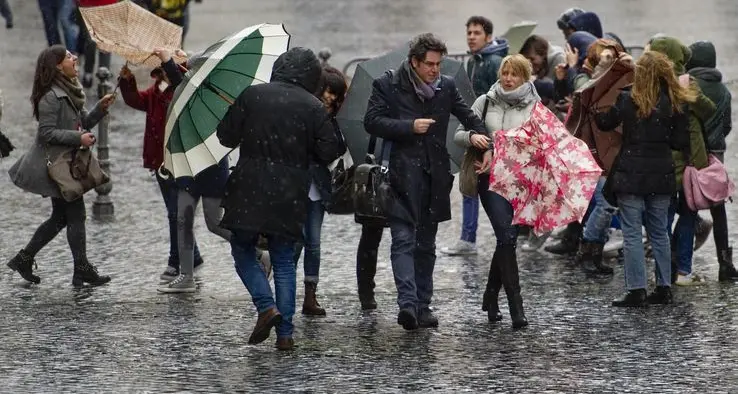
column 423, row 90
column 73, row 89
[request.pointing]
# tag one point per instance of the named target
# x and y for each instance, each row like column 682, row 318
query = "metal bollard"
column 324, row 55
column 102, row 208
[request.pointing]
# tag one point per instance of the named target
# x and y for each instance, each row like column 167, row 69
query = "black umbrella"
column 351, row 116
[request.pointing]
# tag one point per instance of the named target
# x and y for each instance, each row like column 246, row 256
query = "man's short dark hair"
column 481, row 21
column 424, row 43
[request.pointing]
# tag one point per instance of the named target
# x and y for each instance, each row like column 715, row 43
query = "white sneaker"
column 181, row 284
column 688, row 280
column 461, row 248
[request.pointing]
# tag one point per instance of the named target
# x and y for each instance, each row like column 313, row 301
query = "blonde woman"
column 654, row 119
column 508, row 104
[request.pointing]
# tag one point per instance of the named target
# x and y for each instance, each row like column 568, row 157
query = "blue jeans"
column 654, row 209
column 169, row 192
column 413, row 254
column 601, row 218
column 469, row 218
column 311, row 232
column 683, row 233
column 243, row 250
column 54, row 12
column 499, row 211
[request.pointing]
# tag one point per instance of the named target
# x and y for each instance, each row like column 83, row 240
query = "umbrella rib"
column 202, row 99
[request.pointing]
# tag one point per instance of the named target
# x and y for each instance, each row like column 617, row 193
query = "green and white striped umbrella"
column 214, row 81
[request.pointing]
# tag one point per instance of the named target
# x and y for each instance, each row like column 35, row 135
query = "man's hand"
column 420, row 126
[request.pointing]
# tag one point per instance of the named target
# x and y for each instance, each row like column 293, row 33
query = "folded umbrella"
column 547, row 175
column 351, row 116
column 214, row 81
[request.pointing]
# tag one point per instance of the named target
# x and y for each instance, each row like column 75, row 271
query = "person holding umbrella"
column 508, row 104
column 281, row 128
column 409, row 109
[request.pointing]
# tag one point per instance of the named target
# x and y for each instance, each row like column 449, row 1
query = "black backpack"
column 371, row 189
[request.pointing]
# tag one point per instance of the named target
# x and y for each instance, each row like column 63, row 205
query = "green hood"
column 674, row 50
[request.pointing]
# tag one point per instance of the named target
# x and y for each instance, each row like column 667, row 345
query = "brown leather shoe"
column 264, row 324
column 310, row 305
column 285, row 343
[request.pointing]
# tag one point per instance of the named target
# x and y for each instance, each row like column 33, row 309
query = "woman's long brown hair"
column 46, row 72
column 651, row 69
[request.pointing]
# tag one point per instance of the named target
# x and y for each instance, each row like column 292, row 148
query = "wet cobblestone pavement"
column 125, row 337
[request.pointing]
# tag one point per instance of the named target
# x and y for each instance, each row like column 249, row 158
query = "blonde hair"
column 651, row 69
column 518, row 64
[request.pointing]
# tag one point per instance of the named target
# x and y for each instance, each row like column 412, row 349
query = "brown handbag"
column 76, row 172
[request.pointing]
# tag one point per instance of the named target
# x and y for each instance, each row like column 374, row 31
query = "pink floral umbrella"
column 548, row 175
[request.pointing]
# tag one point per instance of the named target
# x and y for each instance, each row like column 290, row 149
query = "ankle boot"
column 569, row 241
column 508, row 266
column 492, row 292
column 85, row 272
column 310, row 305
column 727, row 272
column 593, row 264
column 24, row 263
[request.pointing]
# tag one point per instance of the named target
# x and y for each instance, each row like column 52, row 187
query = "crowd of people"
column 672, row 116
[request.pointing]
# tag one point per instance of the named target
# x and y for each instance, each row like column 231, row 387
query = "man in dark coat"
column 410, row 108
column 281, row 127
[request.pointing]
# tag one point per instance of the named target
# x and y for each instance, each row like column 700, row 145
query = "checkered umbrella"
column 132, row 32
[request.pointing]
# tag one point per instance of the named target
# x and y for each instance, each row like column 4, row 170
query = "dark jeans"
column 413, row 254
column 169, row 193
column 366, row 258
column 499, row 211
column 63, row 214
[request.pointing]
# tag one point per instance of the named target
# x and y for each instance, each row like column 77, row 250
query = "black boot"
column 727, row 271
column 85, row 272
column 633, row 299
column 365, row 285
column 569, row 241
column 661, row 295
column 23, row 263
column 593, row 264
column 508, row 267
column 492, row 292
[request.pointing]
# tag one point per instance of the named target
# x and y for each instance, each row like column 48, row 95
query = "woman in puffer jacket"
column 508, row 104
